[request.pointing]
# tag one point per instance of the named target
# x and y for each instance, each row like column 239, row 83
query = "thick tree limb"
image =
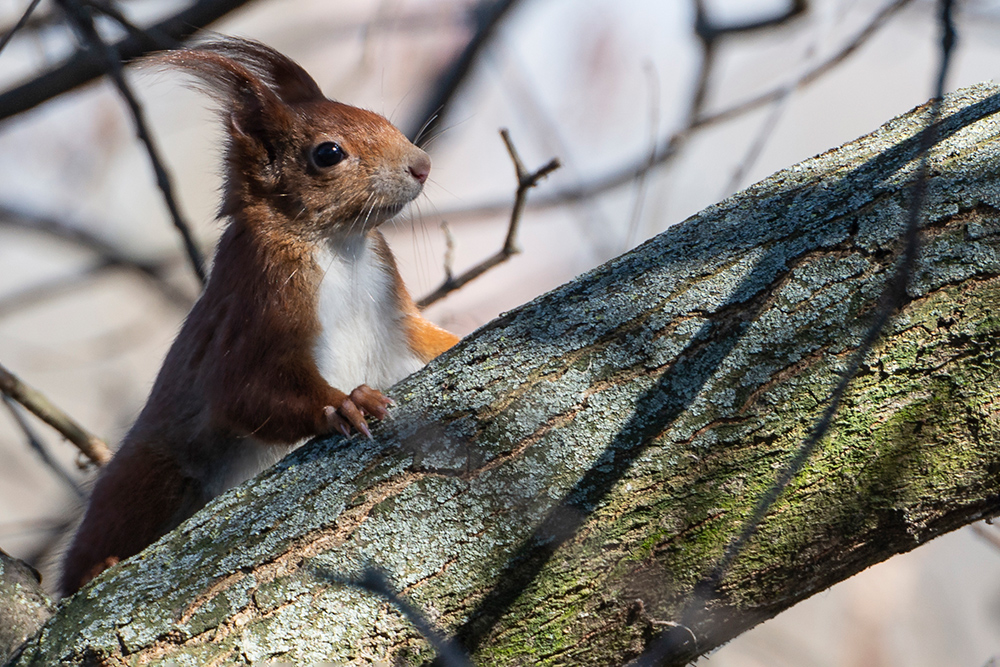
column 553, row 488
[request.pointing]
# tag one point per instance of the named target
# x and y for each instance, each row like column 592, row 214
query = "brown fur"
column 242, row 365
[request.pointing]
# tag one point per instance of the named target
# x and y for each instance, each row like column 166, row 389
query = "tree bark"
column 24, row 606
column 551, row 490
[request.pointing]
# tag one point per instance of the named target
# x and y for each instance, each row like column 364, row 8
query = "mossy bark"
column 552, row 489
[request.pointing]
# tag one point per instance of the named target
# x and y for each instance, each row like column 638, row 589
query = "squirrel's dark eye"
column 328, row 154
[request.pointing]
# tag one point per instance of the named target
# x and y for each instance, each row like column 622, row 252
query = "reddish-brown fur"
column 242, row 369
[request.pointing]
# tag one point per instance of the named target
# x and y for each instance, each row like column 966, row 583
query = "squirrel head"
column 330, row 167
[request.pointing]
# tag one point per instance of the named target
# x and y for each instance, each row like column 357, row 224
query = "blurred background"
column 656, row 108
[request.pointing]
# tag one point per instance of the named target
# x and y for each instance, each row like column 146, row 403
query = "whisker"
column 423, row 128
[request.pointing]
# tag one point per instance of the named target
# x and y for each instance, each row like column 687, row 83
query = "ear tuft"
column 230, row 68
column 281, row 74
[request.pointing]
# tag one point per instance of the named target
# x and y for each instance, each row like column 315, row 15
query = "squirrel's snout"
column 420, row 166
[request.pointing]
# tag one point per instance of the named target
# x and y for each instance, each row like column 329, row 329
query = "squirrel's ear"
column 281, row 74
column 254, row 114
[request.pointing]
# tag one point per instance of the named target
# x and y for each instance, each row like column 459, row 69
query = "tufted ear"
column 280, row 74
column 254, row 86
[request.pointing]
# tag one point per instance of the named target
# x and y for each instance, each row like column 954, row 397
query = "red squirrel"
column 304, row 301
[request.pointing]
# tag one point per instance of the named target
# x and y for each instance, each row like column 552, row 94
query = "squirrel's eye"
column 328, row 154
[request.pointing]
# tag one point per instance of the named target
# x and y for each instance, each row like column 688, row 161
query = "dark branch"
column 486, row 17
column 106, row 7
column 83, row 21
column 20, row 24
column 35, row 443
column 109, row 256
column 669, row 147
column 84, row 66
column 708, row 30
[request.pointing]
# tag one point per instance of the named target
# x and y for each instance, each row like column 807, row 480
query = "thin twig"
column 766, row 129
column 155, row 271
column 891, row 301
column 36, row 22
column 641, row 181
column 20, row 24
column 449, row 251
column 375, row 581
column 810, row 75
column 757, row 146
column 525, row 181
column 93, row 447
column 109, row 9
column 35, row 443
column 669, row 146
column 84, row 24
column 716, row 30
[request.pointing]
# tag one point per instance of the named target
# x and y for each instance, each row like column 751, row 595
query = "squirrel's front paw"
column 352, row 411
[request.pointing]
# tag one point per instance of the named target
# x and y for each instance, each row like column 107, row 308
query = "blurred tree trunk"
column 552, row 489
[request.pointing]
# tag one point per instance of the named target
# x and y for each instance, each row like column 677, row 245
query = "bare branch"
column 36, row 22
column 35, row 295
column 84, row 23
column 714, row 31
column 109, row 9
column 93, row 447
column 809, row 76
column 669, row 147
column 84, row 66
column 154, row 271
column 525, row 181
column 654, row 129
column 20, row 24
column 486, row 17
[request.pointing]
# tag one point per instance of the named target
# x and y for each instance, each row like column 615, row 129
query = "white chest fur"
column 362, row 340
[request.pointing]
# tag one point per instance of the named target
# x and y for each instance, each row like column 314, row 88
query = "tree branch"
column 35, row 443
column 668, row 147
column 554, row 488
column 84, row 24
column 84, row 66
column 109, row 257
column 525, row 181
column 93, row 447
column 486, row 17
column 21, row 22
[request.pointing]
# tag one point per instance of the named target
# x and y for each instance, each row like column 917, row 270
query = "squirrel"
column 304, row 300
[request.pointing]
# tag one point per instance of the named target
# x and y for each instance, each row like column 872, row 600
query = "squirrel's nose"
column 420, row 167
